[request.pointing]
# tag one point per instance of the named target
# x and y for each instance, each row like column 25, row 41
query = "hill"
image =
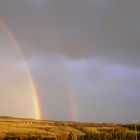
column 43, row 129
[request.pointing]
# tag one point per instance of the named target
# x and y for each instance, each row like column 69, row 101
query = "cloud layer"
column 78, row 29
column 87, row 48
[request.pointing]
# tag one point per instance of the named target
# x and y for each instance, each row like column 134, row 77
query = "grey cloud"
column 87, row 47
column 102, row 91
column 78, row 28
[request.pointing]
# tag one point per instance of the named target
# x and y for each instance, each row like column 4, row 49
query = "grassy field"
column 40, row 128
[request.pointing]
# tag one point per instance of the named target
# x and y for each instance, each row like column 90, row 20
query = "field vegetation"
column 15, row 128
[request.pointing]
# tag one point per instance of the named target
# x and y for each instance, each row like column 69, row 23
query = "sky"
column 83, row 56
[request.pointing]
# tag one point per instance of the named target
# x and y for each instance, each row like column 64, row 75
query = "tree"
column 71, row 136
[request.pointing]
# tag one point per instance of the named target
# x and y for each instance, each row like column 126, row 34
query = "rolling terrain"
column 25, row 128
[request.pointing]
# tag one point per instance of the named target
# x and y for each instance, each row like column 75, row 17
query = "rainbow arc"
column 17, row 47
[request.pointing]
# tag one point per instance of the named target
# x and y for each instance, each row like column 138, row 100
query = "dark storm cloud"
column 77, row 28
column 87, row 47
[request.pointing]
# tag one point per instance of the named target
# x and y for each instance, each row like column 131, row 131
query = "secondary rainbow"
column 16, row 45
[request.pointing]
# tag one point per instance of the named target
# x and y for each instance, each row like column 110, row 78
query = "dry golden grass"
column 25, row 127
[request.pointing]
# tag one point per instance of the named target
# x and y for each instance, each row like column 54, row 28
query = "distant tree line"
column 106, row 135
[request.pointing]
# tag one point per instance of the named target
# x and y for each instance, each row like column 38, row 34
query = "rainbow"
column 37, row 107
column 70, row 95
column 72, row 106
column 18, row 49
